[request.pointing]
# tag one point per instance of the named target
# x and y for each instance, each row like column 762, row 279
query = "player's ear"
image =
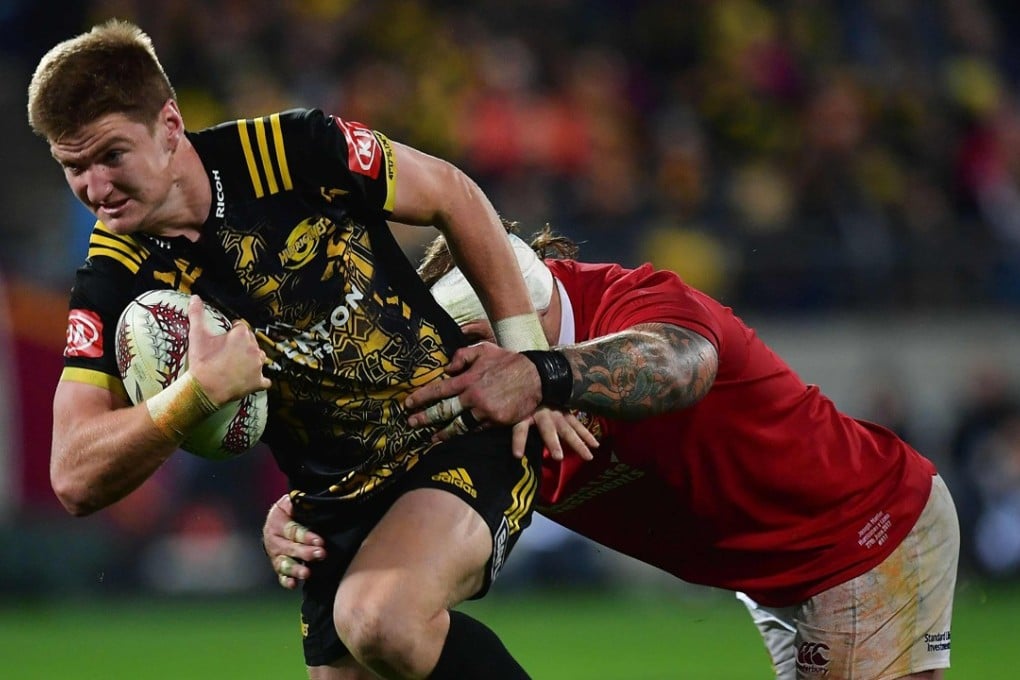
column 172, row 122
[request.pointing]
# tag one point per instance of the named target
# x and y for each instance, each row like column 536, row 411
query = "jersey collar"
column 568, row 334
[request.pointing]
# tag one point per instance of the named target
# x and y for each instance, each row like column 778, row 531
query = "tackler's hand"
column 289, row 545
column 488, row 385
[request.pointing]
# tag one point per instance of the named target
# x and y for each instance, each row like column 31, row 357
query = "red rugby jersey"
column 763, row 486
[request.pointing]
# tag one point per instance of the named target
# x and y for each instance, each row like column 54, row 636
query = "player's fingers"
column 577, row 437
column 458, row 362
column 298, row 554
column 465, row 422
column 586, row 435
column 195, row 311
column 241, row 330
column 301, row 535
column 287, row 582
column 295, row 532
column 443, row 410
column 463, row 358
column 546, row 422
column 470, row 421
column 445, row 390
column 294, row 565
column 573, row 442
column 286, row 565
column 519, row 438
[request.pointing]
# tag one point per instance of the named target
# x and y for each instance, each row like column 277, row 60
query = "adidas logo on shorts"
column 459, row 478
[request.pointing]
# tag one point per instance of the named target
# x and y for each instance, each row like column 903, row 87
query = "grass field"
column 562, row 637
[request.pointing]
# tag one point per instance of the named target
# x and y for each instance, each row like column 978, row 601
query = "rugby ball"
column 152, row 350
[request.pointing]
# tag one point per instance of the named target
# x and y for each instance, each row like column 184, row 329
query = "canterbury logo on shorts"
column 813, row 658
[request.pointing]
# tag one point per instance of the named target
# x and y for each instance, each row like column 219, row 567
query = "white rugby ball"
column 152, row 350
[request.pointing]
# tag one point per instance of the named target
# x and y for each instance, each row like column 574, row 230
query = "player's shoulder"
column 260, row 156
column 610, row 274
column 267, row 135
column 117, row 251
column 289, row 120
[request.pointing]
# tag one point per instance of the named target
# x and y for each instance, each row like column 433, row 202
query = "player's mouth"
column 112, row 209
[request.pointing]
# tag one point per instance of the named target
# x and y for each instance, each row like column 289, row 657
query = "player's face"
column 120, row 170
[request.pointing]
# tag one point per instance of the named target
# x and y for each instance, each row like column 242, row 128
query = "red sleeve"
column 634, row 296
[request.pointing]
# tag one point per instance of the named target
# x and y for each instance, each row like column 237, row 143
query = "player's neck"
column 190, row 198
column 566, row 332
column 558, row 319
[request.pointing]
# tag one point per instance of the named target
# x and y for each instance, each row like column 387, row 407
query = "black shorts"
column 477, row 467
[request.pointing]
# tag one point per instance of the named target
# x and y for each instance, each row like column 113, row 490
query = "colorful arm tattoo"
column 646, row 370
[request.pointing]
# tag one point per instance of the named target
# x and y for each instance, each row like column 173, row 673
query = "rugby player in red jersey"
column 717, row 464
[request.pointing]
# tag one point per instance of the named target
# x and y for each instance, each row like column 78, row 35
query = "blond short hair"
column 547, row 244
column 112, row 68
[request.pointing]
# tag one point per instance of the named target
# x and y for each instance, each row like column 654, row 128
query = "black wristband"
column 556, row 375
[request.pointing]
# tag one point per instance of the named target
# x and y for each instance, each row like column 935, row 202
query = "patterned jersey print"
column 297, row 245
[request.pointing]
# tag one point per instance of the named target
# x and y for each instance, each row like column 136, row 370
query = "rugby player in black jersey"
column 281, row 222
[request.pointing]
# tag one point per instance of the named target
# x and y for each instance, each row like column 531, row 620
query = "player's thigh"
column 894, row 621
column 428, row 552
column 460, row 511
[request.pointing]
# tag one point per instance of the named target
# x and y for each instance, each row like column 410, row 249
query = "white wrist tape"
column 180, row 406
column 521, row 332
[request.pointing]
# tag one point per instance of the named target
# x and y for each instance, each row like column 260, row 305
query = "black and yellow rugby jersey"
column 296, row 243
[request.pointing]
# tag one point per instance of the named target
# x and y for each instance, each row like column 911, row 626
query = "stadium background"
column 846, row 174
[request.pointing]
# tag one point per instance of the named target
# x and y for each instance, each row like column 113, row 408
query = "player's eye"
column 113, row 157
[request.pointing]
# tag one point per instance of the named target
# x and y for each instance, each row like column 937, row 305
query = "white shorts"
column 887, row 623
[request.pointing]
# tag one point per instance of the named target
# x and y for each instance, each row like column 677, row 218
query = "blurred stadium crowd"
column 784, row 154
column 790, row 157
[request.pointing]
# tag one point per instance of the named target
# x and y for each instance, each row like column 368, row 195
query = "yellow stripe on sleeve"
column 130, row 250
column 103, row 243
column 129, row 264
column 389, row 166
column 267, row 161
column 127, row 243
column 249, row 157
column 281, row 154
column 95, row 378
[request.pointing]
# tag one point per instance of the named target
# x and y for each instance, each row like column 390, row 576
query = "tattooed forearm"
column 646, row 370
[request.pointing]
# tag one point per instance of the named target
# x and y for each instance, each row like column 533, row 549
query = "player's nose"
column 97, row 186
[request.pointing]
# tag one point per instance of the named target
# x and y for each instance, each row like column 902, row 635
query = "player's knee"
column 378, row 635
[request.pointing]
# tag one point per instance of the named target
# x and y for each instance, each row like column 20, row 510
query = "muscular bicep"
column 648, row 369
column 432, row 191
column 424, row 187
column 76, row 404
column 102, row 448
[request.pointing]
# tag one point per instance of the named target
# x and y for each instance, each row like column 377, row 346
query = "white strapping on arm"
column 458, row 298
column 520, row 333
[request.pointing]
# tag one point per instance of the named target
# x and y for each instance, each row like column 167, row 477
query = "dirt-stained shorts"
column 887, row 623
